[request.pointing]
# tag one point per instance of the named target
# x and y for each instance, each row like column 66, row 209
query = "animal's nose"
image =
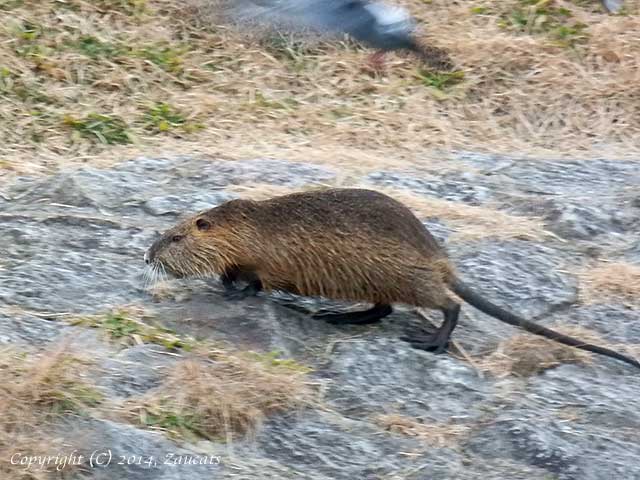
column 146, row 258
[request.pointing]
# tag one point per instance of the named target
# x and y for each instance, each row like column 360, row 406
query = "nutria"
column 344, row 244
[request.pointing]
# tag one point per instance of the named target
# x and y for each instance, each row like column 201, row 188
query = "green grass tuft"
column 117, row 325
column 536, row 17
column 75, row 398
column 174, row 421
column 7, row 5
column 105, row 129
column 272, row 359
column 166, row 57
column 569, row 35
column 441, row 81
column 479, row 10
column 94, row 48
column 28, row 31
column 162, row 117
column 126, row 328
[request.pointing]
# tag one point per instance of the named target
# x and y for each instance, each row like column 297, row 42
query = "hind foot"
column 438, row 341
column 373, row 315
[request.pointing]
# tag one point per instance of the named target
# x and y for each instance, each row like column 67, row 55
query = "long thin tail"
column 475, row 299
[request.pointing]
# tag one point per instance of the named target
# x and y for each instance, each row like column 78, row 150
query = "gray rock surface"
column 72, row 243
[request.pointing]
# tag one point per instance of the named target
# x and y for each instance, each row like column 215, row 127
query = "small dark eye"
column 203, row 225
column 177, row 238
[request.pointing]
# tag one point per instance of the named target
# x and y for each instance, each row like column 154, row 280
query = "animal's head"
column 198, row 246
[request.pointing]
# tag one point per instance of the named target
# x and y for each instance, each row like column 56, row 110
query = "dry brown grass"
column 53, row 381
column 538, row 90
column 220, row 395
column 37, row 388
column 437, row 435
column 525, row 355
column 616, row 280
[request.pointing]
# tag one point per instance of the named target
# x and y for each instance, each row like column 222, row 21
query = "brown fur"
column 348, row 244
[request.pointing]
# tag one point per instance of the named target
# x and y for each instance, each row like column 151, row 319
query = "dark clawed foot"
column 437, row 342
column 428, row 343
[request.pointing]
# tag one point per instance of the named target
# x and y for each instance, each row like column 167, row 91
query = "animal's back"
column 358, row 214
column 353, row 244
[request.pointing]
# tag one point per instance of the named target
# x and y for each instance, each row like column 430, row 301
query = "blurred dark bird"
column 379, row 25
column 612, row 6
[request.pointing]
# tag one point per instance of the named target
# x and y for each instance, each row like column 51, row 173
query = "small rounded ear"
column 203, row 224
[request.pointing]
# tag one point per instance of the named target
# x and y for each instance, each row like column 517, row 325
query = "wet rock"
column 458, row 186
column 439, row 230
column 632, row 254
column 563, row 423
column 206, row 174
column 575, row 178
column 522, row 276
column 340, row 448
column 191, row 203
column 71, row 263
column 384, row 376
column 332, row 446
column 25, row 329
column 134, row 370
column 587, row 222
column 615, row 321
column 574, row 221
column 540, row 447
column 117, row 450
column 257, row 323
column 277, row 172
